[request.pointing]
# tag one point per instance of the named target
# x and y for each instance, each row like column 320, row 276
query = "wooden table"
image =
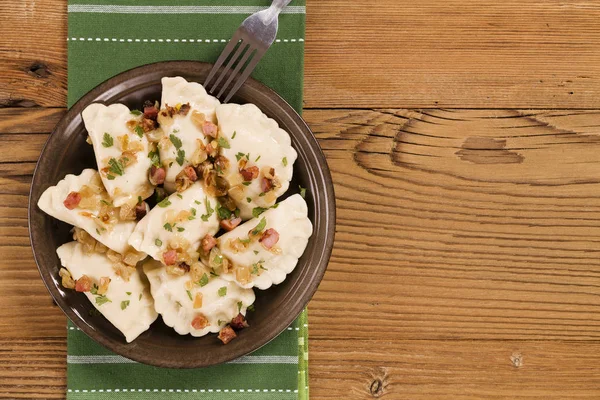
column 464, row 143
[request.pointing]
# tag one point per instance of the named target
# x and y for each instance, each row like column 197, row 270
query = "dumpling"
column 255, row 144
column 193, row 309
column 265, row 249
column 177, row 223
column 184, row 137
column 126, row 304
column 82, row 201
column 121, row 150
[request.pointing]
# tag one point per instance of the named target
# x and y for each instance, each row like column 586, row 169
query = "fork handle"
column 274, row 10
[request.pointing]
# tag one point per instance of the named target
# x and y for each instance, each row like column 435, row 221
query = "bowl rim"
column 306, row 292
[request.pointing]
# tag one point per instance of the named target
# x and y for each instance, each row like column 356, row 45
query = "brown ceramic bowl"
column 66, row 152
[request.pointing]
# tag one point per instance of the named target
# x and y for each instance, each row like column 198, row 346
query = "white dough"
column 257, row 135
column 131, row 318
column 51, row 202
column 290, row 220
column 173, row 303
column 150, row 235
column 179, row 91
column 100, row 119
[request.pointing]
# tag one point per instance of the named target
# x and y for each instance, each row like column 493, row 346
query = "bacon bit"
column 72, row 200
column 103, row 287
column 157, row 175
column 184, row 109
column 170, row 257
column 227, row 334
column 198, row 300
column 83, row 284
column 269, row 238
column 239, row 322
column 209, row 129
column 148, row 124
column 208, row 242
column 191, row 173
column 151, row 112
column 230, row 224
column 266, row 185
column 140, row 210
column 200, row 322
column 249, row 173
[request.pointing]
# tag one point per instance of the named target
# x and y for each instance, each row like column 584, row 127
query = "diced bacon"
column 157, row 175
column 140, row 210
column 148, row 124
column 83, row 284
column 191, row 173
column 249, row 173
column 266, row 185
column 226, row 334
column 269, row 238
column 208, row 242
column 200, row 322
column 72, row 200
column 230, row 224
column 239, row 322
column 151, row 112
column 209, row 129
column 170, row 257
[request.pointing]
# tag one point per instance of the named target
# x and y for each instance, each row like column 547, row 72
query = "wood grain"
column 433, row 53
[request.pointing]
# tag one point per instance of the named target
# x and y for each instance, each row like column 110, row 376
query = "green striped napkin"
column 107, row 37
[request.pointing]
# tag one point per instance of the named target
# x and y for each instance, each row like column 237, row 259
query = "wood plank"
column 367, row 369
column 470, row 224
column 432, row 53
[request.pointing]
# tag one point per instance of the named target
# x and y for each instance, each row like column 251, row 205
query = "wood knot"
column 376, row 388
column 517, row 360
column 38, row 70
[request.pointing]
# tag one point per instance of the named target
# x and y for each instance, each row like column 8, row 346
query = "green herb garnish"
column 180, row 229
column 239, row 156
column 284, row 161
column 100, row 300
column 107, row 140
column 176, row 141
column 179, row 195
column 234, row 133
column 223, row 213
column 116, row 166
column 189, row 295
column 136, row 112
column 168, row 227
column 260, row 226
column 124, row 304
column 248, row 199
column 204, row 280
column 222, row 291
column 180, row 156
column 240, row 304
column 139, row 131
column 154, row 158
column 257, row 158
column 128, row 293
column 247, row 183
column 209, row 210
column 250, row 307
column 302, row 191
column 164, row 203
column 223, row 143
column 158, row 242
column 256, row 211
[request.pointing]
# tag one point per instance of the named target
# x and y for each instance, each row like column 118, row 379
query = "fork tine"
column 238, row 67
column 243, row 45
column 247, row 71
column 224, row 54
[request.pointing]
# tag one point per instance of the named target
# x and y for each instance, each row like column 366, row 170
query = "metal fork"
column 250, row 42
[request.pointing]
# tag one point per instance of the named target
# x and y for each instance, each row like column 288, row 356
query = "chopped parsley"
column 94, row 290
column 250, row 307
column 176, row 141
column 255, row 251
column 179, row 195
column 189, row 295
column 259, row 227
column 248, row 199
column 284, row 161
column 168, row 227
column 197, row 202
column 204, row 280
column 244, row 241
column 302, row 191
column 139, row 200
column 139, row 298
column 256, row 211
column 261, row 194
column 180, row 156
column 180, row 229
column 116, row 166
column 136, row 112
column 179, row 304
column 209, row 210
column 97, row 231
column 257, row 158
column 158, row 242
column 124, row 304
column 128, row 293
column 110, row 177
column 247, row 183
column 107, row 140
column 218, row 260
column 223, row 212
column 139, row 131
column 213, row 273
column 239, row 156
column 106, row 203
column 240, row 304
column 219, row 322
column 164, row 203
column 154, row 158
column 223, row 143
column 234, row 133
column 100, row 300
column 222, row 291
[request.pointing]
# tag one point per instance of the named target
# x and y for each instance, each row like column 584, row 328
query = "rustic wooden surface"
column 464, row 143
